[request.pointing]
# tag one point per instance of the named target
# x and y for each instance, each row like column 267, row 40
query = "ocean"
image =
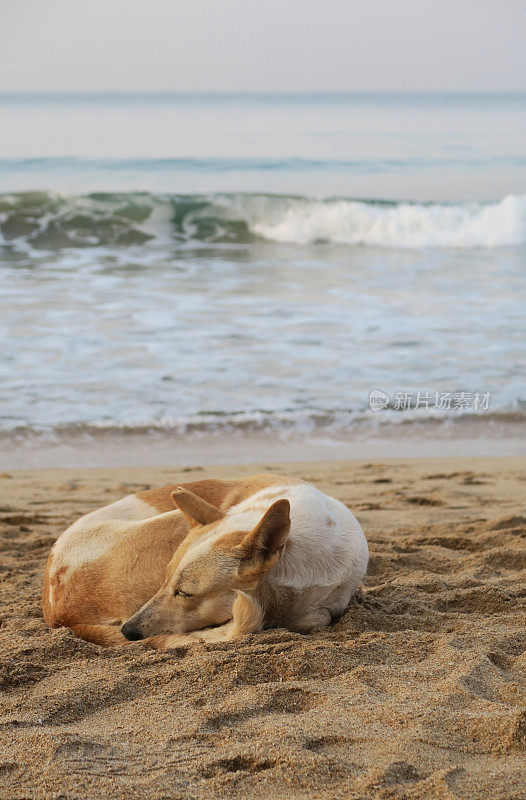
column 191, row 277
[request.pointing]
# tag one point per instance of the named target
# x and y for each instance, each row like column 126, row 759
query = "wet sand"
column 418, row 691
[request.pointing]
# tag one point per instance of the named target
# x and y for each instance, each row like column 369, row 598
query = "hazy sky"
column 263, row 45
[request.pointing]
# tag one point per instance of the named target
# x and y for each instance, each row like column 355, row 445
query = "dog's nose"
column 130, row 632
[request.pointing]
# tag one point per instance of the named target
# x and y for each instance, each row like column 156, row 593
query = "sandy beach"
column 418, row 691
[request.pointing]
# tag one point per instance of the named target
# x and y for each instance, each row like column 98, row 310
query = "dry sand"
column 417, row 692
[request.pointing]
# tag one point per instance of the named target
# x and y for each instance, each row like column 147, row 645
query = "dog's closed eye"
column 180, row 593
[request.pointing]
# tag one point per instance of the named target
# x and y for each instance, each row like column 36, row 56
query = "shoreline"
column 474, row 437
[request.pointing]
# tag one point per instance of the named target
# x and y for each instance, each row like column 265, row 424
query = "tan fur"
column 105, row 635
column 196, row 509
column 200, row 572
column 219, row 493
column 213, row 491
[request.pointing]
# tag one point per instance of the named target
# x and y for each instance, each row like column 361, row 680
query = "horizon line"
column 263, row 91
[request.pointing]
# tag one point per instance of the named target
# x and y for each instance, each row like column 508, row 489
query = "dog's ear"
column 261, row 547
column 196, row 510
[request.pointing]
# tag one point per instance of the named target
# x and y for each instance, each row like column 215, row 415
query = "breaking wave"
column 50, row 221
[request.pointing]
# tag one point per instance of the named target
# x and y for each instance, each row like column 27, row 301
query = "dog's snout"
column 131, row 633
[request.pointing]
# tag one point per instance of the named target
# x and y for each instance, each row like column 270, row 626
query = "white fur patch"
column 94, row 534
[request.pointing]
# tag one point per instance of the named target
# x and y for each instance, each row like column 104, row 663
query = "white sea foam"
column 404, row 225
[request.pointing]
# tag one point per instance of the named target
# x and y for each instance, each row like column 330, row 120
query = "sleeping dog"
column 210, row 560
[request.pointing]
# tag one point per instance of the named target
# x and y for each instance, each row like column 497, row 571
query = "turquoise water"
column 202, row 263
